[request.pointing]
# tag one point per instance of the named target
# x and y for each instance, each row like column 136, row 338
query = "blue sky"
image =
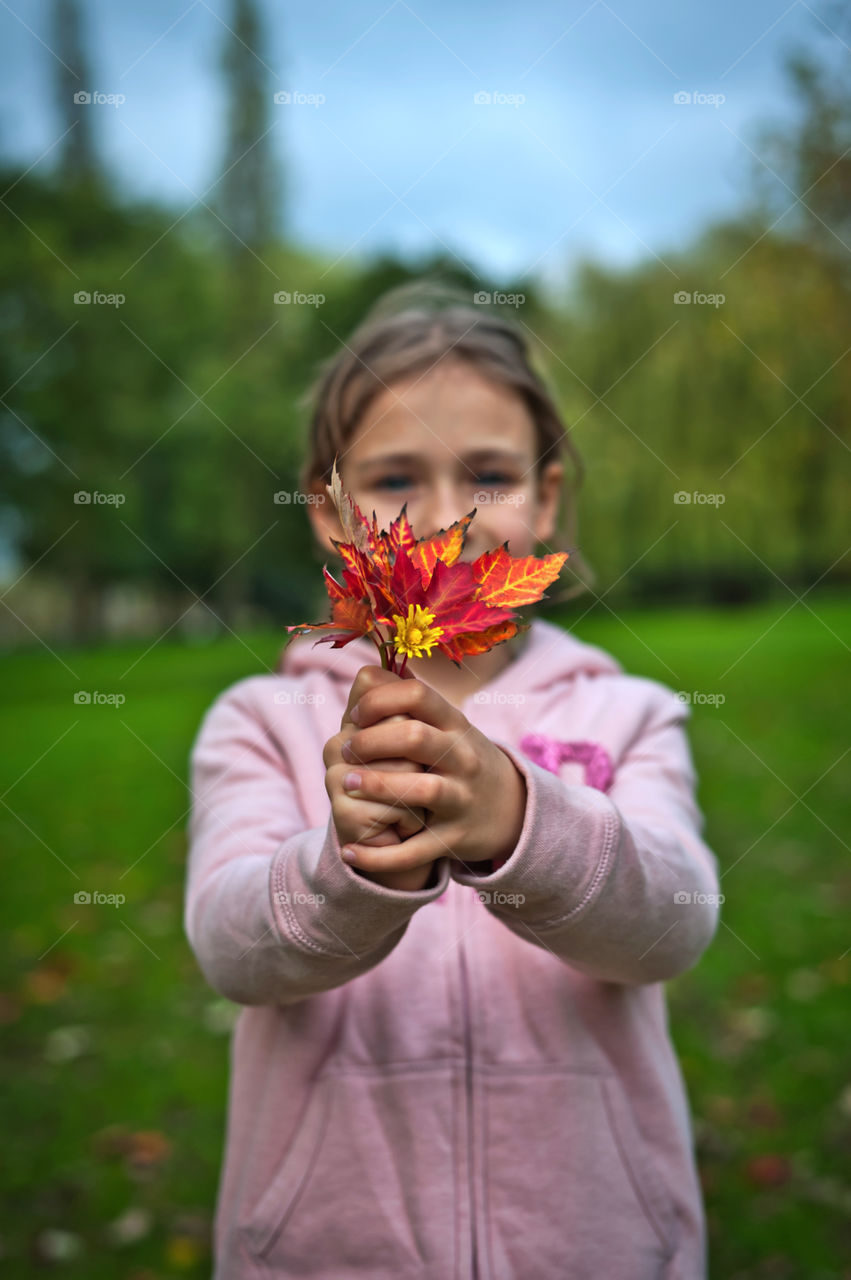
column 582, row 149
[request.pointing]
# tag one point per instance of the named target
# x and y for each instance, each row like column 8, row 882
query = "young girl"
column 449, row 901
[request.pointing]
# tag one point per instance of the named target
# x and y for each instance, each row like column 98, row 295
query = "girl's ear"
column 549, row 492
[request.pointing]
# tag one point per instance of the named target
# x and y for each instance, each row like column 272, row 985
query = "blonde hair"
column 411, row 328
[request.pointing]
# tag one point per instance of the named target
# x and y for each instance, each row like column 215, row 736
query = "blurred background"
column 199, row 202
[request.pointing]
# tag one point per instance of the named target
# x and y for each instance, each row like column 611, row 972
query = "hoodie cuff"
column 323, row 906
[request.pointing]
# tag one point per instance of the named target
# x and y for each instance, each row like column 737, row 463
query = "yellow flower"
column 415, row 633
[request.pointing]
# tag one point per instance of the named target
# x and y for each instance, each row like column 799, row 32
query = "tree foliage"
column 179, row 399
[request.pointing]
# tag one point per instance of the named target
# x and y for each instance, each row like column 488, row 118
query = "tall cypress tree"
column 249, row 189
column 244, row 427
column 78, row 161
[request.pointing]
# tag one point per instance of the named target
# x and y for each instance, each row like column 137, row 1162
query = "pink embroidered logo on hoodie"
column 549, row 753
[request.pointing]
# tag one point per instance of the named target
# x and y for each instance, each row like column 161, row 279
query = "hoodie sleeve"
column 272, row 912
column 619, row 885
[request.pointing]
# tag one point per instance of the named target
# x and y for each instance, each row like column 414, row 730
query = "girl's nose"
column 443, row 506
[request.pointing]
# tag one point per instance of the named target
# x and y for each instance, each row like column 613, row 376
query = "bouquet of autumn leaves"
column 409, row 596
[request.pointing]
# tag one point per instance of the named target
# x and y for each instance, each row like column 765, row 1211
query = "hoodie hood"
column 550, row 655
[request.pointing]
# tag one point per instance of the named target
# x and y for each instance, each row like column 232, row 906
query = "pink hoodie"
column 473, row 1081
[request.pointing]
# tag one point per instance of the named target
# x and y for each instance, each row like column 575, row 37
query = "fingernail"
column 354, row 714
column 352, row 781
column 346, row 750
column 349, row 855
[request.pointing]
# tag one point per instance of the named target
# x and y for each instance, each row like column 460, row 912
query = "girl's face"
column 444, row 442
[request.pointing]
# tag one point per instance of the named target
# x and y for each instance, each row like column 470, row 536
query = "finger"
column 388, row 836
column 414, row 697
column 393, row 764
column 366, row 817
column 381, row 832
column 411, row 821
column 367, row 678
column 416, row 852
column 332, row 751
column 403, row 790
column 338, row 766
column 359, row 686
column 395, row 834
column 406, row 739
column 407, row 818
column 414, row 819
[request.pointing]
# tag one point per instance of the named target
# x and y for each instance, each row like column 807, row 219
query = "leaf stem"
column 383, row 647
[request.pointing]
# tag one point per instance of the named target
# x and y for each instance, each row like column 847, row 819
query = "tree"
column 78, row 161
column 248, row 200
column 813, row 159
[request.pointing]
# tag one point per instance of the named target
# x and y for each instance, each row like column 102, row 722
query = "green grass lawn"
column 115, row 1067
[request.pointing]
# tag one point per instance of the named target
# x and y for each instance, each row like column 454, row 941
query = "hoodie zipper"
column 468, row 1050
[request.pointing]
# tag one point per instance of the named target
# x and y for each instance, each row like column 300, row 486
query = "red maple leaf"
column 419, row 592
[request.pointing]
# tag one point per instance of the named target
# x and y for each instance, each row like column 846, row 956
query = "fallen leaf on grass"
column 184, row 1252
column 133, row 1225
column 768, row 1170
column 147, row 1147
column 55, row 1245
column 47, row 982
column 63, row 1044
column 763, row 1114
column 141, row 1150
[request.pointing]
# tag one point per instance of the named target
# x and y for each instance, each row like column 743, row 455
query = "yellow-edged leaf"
column 446, row 545
column 504, row 580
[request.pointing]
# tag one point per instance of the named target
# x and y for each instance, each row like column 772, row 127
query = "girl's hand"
column 360, row 821
column 475, row 795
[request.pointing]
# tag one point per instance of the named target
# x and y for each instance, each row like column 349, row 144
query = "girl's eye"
column 399, row 481
column 392, row 482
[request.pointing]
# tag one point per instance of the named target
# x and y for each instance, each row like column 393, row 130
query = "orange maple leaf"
column 420, row 592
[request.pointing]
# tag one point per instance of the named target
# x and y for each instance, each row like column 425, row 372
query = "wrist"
column 416, row 879
column 513, row 788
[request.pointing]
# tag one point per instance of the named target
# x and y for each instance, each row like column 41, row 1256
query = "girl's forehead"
column 451, row 381
column 434, row 415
